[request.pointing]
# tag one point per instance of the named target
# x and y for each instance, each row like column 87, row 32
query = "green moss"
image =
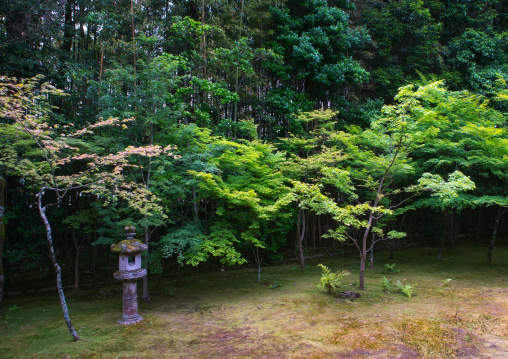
column 227, row 314
column 128, row 246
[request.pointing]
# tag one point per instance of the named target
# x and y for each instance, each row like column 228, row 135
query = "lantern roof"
column 129, row 246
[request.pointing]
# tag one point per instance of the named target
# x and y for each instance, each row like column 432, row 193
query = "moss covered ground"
column 226, row 314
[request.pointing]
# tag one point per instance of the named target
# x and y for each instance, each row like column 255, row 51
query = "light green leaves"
column 446, row 190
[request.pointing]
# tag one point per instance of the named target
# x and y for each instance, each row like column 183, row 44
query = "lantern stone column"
column 129, row 273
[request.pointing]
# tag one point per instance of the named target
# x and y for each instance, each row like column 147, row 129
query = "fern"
column 406, row 289
column 391, row 268
column 386, row 284
column 330, row 282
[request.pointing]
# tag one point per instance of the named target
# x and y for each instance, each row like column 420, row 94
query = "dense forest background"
column 294, row 126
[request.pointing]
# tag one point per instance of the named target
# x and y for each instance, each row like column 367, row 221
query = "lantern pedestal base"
column 128, row 320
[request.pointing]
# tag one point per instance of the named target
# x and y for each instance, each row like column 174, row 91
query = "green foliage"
column 406, row 289
column 330, row 282
column 192, row 246
column 316, row 43
column 391, row 268
column 248, row 185
column 386, row 284
column 446, row 282
column 412, row 28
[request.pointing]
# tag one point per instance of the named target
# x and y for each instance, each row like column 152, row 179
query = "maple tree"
column 58, row 148
column 359, row 175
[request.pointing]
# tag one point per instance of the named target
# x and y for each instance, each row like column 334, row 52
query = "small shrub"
column 406, row 289
column 330, row 282
column 386, row 284
column 391, row 268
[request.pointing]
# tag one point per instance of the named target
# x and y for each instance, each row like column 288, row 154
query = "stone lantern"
column 129, row 272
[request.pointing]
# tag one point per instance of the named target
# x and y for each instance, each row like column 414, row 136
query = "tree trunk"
column 314, row 232
column 203, row 37
column 178, row 274
column 480, row 223
column 363, row 249
column 259, row 270
column 452, row 231
column 319, row 231
column 146, row 294
column 372, row 250
column 443, row 237
column 95, row 250
column 195, row 203
column 494, row 233
column 363, row 257
column 76, row 260
column 49, row 239
column 259, row 261
column 76, row 270
column 235, row 109
column 392, row 249
column 101, row 68
column 69, row 29
column 301, row 235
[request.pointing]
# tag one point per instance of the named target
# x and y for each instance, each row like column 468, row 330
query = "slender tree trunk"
column 100, row 72
column 76, row 270
column 134, row 43
column 95, row 250
column 372, row 250
column 76, row 260
column 259, row 261
column 363, row 256
column 195, row 203
column 392, row 249
column 204, row 37
column 314, row 231
column 452, row 231
column 300, row 236
column 480, row 223
column 49, row 239
column 494, row 233
column 259, row 270
column 2, row 238
column 363, row 249
column 178, row 274
column 146, row 294
column 68, row 27
column 443, row 237
column 319, row 231
column 235, row 109
column 307, row 231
